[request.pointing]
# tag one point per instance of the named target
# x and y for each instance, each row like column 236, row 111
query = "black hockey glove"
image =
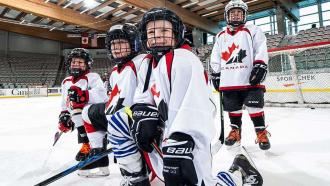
column 78, row 98
column 146, row 126
column 179, row 167
column 258, row 73
column 215, row 78
column 65, row 123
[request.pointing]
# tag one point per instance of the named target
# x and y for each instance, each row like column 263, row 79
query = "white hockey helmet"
column 236, row 4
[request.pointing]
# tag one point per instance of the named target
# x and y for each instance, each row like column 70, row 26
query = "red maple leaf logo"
column 115, row 91
column 226, row 55
column 154, row 91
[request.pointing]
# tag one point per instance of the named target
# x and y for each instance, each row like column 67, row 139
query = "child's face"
column 120, row 48
column 160, row 34
column 236, row 14
column 78, row 63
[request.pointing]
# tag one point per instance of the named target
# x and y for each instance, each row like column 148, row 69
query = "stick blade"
column 57, row 137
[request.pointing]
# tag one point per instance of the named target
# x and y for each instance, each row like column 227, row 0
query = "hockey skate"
column 98, row 168
column 234, row 138
column 134, row 179
column 83, row 152
column 262, row 139
column 250, row 174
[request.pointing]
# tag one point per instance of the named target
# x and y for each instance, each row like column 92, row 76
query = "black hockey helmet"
column 162, row 14
column 127, row 32
column 78, row 53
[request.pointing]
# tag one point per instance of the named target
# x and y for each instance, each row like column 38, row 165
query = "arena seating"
column 274, row 41
column 305, row 60
column 102, row 66
column 26, row 69
column 22, row 70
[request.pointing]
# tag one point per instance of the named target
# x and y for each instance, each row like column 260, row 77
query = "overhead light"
column 84, row 11
column 190, row 4
column 209, row 13
column 70, row 3
column 46, row 1
column 22, row 21
column 90, row 3
column 52, row 29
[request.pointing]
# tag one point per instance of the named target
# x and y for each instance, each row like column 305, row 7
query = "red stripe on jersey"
column 89, row 127
column 87, row 95
column 241, row 87
column 258, row 61
column 67, row 79
column 169, row 60
column 114, row 69
column 83, row 76
column 220, row 33
column 186, row 46
column 206, row 77
column 127, row 64
column 235, row 114
column 258, row 114
column 75, row 80
column 240, row 28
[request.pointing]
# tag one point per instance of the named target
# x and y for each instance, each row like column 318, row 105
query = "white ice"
column 299, row 156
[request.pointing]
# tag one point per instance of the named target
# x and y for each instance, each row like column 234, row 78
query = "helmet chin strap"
column 232, row 26
column 76, row 72
column 158, row 52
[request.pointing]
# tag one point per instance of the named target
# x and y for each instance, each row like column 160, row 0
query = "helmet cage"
column 232, row 5
column 78, row 53
column 178, row 30
column 127, row 33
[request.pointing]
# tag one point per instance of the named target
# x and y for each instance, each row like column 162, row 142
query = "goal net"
column 37, row 91
column 299, row 75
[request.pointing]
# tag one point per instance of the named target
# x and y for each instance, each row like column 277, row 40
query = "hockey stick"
column 57, row 137
column 75, row 167
column 216, row 147
column 155, row 146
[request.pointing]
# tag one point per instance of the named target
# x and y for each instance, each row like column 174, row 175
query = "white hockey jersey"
column 234, row 54
column 178, row 87
column 123, row 82
column 88, row 81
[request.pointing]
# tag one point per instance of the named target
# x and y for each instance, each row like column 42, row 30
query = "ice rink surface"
column 299, row 156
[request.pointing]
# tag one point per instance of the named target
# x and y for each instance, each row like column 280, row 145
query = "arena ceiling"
column 54, row 19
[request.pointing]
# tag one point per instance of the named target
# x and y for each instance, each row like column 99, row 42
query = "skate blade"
column 94, row 173
column 234, row 146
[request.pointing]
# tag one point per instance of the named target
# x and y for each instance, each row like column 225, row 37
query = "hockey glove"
column 65, row 123
column 78, row 98
column 179, row 167
column 258, row 73
column 215, row 78
column 146, row 126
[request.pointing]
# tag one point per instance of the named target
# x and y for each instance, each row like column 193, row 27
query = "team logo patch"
column 236, row 58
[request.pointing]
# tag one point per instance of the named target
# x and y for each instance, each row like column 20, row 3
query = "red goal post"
column 299, row 75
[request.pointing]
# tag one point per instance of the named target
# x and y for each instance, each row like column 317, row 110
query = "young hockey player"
column 122, row 46
column 81, row 88
column 173, row 108
column 240, row 56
